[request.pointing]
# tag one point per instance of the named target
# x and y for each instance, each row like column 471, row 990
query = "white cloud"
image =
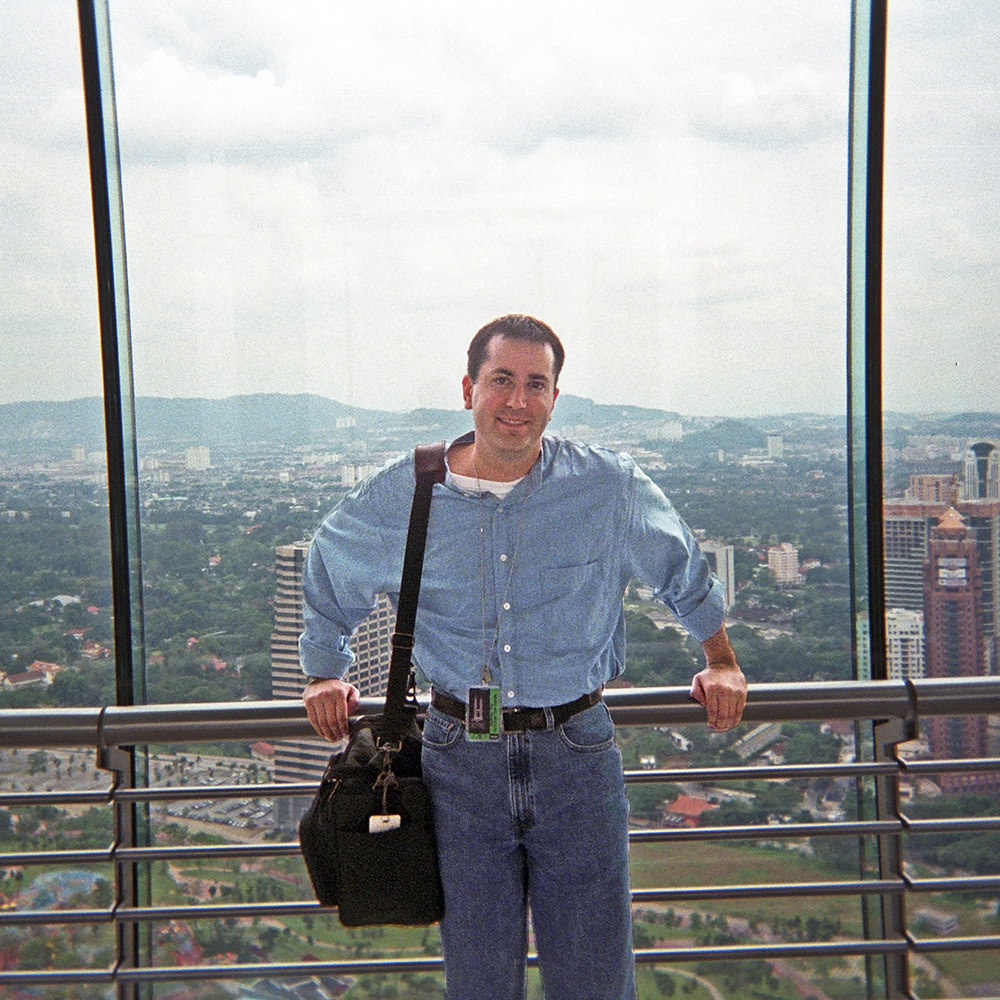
column 333, row 197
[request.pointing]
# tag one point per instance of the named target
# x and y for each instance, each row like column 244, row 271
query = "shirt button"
column 510, row 694
column 506, row 648
column 503, row 557
column 506, row 605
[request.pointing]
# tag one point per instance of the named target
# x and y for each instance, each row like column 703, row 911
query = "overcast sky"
column 332, row 197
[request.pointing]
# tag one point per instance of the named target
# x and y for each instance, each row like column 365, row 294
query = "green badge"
column 484, row 714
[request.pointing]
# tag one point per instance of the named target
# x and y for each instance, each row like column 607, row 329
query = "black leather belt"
column 517, row 720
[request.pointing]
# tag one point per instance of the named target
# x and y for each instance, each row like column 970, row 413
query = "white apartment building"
column 904, row 634
column 783, row 562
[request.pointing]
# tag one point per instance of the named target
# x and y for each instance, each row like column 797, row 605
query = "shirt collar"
column 530, row 482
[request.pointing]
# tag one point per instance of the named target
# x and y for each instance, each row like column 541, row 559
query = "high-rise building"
column 304, row 760
column 982, row 472
column 721, row 558
column 954, row 645
column 907, row 531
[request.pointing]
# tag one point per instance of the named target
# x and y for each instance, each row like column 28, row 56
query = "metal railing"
column 886, row 713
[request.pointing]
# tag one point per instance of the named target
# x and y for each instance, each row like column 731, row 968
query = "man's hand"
column 330, row 705
column 721, row 686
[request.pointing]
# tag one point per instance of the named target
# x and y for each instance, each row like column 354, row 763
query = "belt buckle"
column 525, row 717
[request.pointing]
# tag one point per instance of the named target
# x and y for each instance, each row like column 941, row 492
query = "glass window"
column 941, row 370
column 55, row 601
column 324, row 203
column 941, row 365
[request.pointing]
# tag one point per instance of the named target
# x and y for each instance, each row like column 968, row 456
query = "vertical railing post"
column 118, row 760
column 888, row 734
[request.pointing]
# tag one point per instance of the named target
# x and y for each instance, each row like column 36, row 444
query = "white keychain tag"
column 382, row 823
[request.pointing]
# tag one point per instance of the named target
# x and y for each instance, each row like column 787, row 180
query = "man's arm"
column 721, row 686
column 341, row 579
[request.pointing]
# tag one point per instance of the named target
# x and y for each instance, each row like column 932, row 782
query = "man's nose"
column 518, row 398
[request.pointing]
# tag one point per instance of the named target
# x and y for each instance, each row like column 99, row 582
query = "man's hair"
column 516, row 327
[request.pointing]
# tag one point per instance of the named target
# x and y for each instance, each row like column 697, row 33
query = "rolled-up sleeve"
column 663, row 552
column 347, row 567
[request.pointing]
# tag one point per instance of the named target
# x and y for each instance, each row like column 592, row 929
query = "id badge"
column 483, row 714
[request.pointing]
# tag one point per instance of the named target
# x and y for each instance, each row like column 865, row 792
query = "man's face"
column 512, row 398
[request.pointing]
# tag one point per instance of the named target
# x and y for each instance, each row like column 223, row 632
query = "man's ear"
column 467, row 391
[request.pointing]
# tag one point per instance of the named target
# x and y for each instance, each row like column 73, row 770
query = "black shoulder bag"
column 368, row 836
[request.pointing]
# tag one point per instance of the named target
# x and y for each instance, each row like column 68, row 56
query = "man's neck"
column 467, row 460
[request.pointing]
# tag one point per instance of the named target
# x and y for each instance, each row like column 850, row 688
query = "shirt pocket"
column 563, row 607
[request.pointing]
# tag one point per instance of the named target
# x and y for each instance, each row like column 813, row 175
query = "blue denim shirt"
column 533, row 583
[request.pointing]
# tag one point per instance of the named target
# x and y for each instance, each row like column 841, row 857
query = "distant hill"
column 729, row 436
column 265, row 420
column 284, row 421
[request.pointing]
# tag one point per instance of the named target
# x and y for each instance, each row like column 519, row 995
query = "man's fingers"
column 329, row 707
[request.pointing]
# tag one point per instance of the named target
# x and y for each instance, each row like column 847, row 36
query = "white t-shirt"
column 473, row 485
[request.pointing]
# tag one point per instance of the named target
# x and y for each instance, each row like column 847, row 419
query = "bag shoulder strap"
column 429, row 467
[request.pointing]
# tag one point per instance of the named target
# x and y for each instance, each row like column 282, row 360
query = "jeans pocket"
column 440, row 731
column 589, row 731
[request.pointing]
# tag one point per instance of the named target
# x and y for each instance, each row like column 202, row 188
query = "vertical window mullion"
column 116, row 357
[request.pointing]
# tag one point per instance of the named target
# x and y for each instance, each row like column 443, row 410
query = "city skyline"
column 666, row 186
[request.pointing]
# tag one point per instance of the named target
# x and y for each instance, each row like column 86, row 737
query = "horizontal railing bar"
column 646, row 956
column 924, row 945
column 56, row 917
column 180, row 852
column 56, row 977
column 50, row 727
column 171, row 793
column 79, row 857
column 277, row 719
column 953, row 696
column 784, row 831
column 186, row 852
column 741, row 951
column 967, row 883
column 760, row 952
column 876, row 887
column 67, row 797
column 222, row 911
column 348, row 967
column 640, row 897
column 215, row 721
column 953, row 824
column 285, row 848
column 702, row 774
column 977, row 764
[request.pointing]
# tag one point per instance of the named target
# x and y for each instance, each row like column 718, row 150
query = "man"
column 531, row 544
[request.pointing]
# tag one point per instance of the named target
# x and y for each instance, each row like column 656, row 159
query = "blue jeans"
column 537, row 819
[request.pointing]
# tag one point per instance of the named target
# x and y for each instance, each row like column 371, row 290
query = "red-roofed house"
column 15, row 682
column 686, row 810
